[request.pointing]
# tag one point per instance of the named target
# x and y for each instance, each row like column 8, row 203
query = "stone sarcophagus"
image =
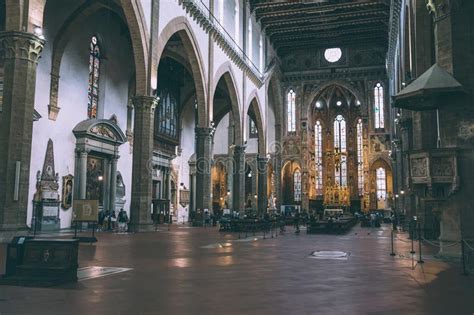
column 436, row 171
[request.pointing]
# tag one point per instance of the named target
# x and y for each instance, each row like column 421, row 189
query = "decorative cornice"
column 21, row 45
column 374, row 73
column 202, row 15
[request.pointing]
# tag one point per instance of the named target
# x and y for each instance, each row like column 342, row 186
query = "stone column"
column 238, row 185
column 262, row 184
column 113, row 182
column 142, row 189
column 203, row 168
column 21, row 52
column 107, row 185
column 82, row 173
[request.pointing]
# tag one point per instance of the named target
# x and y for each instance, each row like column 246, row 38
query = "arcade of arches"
column 168, row 112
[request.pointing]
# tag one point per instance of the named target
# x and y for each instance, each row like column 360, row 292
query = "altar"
column 336, row 196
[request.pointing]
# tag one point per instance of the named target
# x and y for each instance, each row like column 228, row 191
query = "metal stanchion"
column 412, row 239
column 420, row 260
column 392, row 253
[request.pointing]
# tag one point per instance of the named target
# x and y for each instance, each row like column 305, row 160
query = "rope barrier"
column 406, row 241
column 439, row 245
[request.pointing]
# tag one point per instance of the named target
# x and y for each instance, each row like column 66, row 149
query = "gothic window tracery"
column 291, row 111
column 340, row 148
column 360, row 158
column 379, row 106
column 94, row 72
column 381, row 181
column 318, row 157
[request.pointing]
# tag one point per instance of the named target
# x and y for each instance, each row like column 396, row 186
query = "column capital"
column 203, row 131
column 145, row 102
column 21, row 45
column 82, row 151
column 262, row 159
column 239, row 149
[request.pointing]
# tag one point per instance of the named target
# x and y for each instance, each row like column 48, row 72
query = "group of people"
column 109, row 221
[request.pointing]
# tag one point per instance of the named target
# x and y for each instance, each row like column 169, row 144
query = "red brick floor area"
column 173, row 274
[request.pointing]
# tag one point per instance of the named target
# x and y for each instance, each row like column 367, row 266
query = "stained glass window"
column 381, row 181
column 253, row 131
column 94, row 71
column 318, row 157
column 360, row 158
column 379, row 106
column 291, row 111
column 167, row 115
column 297, row 185
column 340, row 148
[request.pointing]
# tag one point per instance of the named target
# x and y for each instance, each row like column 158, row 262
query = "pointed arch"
column 229, row 81
column 314, row 95
column 181, row 27
column 254, row 109
column 73, row 24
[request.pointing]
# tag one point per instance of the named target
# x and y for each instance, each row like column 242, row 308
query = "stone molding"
column 21, row 45
column 201, row 14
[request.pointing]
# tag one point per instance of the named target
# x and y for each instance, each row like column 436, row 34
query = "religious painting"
column 66, row 200
column 95, row 176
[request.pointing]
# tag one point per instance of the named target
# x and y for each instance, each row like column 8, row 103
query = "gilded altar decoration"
column 336, row 195
column 66, row 200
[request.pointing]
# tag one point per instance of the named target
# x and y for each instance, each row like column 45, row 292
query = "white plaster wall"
column 146, row 7
column 180, row 163
column 116, row 71
column 221, row 137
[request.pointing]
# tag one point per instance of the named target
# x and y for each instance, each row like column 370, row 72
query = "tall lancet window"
column 250, row 39
column 297, row 185
column 340, row 146
column 360, row 158
column 94, row 71
column 221, row 12
column 237, row 22
column 381, row 180
column 318, row 157
column 379, row 106
column 291, row 111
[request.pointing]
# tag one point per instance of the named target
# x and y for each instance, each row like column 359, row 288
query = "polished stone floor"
column 201, row 271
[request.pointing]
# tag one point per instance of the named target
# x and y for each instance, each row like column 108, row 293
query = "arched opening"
column 219, row 187
column 176, row 119
column 381, row 194
column 336, row 141
column 291, row 186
